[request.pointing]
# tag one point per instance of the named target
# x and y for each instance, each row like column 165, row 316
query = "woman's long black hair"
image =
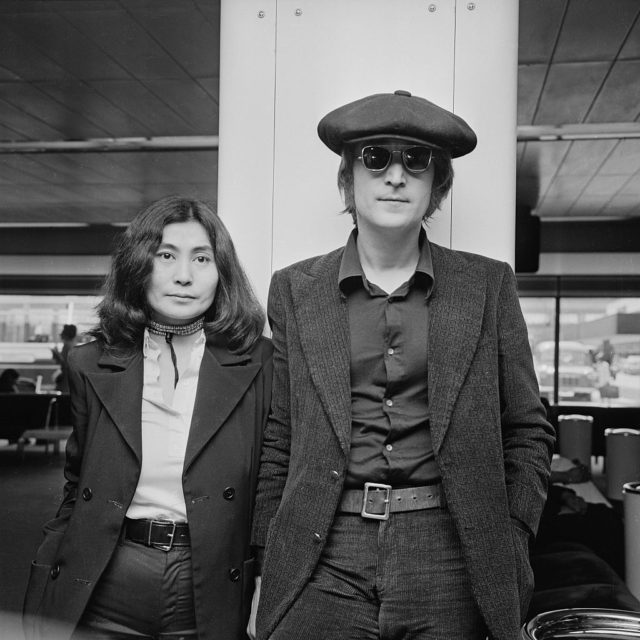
column 235, row 317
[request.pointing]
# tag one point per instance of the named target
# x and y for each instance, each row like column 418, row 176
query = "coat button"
column 229, row 493
column 335, row 475
column 55, row 571
column 234, row 575
column 317, row 537
column 87, row 494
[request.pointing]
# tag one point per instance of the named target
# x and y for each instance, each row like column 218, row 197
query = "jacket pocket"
column 524, row 573
column 38, row 578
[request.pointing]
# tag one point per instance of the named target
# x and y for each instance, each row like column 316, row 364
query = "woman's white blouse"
column 165, row 430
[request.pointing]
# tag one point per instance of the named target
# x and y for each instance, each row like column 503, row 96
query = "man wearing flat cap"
column 406, row 457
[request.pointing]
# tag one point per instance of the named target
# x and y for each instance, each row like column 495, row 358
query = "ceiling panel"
column 531, row 79
column 128, row 43
column 624, row 159
column 114, row 119
column 585, row 157
column 595, row 29
column 143, row 103
column 49, row 40
column 569, row 90
column 631, row 47
column 619, row 97
column 540, row 23
column 540, row 163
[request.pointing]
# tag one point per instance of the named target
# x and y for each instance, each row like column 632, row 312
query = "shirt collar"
column 351, row 274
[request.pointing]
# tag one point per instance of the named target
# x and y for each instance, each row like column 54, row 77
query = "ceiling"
column 579, row 64
column 80, row 70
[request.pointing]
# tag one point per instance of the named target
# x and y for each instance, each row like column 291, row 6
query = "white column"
column 282, row 72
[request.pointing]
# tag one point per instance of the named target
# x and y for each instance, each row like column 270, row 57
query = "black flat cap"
column 396, row 114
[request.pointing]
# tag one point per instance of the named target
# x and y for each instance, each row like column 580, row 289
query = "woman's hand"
column 251, row 627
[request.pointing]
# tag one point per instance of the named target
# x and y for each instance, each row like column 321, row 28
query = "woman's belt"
column 160, row 534
column 377, row 501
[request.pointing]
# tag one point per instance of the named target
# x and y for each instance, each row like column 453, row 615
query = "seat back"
column 51, row 419
column 622, row 461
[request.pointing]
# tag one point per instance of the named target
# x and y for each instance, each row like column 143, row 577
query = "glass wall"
column 586, row 349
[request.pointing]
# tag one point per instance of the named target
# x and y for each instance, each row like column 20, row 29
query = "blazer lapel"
column 119, row 389
column 455, row 321
column 223, row 380
column 323, row 325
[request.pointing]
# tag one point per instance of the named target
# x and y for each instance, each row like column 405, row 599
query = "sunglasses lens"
column 417, row 158
column 375, row 158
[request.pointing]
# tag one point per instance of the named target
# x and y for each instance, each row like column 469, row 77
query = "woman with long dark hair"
column 168, row 402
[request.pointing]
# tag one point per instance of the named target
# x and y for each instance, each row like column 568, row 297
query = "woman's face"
column 184, row 277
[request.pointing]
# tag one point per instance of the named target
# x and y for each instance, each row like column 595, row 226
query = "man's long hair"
column 442, row 181
column 235, row 317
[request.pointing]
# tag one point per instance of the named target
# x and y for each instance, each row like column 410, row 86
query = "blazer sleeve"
column 528, row 438
column 274, row 463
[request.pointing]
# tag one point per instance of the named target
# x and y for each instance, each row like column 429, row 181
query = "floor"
column 30, row 492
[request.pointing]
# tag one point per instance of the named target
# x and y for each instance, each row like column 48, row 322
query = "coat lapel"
column 223, row 380
column 455, row 322
column 119, row 388
column 323, row 325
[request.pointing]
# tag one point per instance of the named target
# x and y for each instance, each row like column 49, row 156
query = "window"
column 30, row 327
column 585, row 349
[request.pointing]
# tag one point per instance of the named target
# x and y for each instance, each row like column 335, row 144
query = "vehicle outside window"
column 598, row 348
column 578, row 377
column 631, row 365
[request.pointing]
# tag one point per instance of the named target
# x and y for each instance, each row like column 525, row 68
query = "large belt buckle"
column 375, row 486
column 156, row 545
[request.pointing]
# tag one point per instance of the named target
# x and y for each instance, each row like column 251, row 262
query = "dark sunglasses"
column 377, row 158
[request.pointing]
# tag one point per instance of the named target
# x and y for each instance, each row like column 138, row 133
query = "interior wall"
column 285, row 63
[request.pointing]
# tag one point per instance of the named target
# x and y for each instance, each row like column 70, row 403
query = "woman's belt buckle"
column 375, row 487
column 171, row 535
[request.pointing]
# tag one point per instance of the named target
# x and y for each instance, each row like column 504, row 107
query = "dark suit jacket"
column 491, row 439
column 102, row 470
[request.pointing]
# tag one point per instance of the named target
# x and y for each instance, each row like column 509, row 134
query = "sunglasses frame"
column 393, row 149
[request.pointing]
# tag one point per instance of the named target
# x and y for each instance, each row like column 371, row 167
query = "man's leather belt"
column 377, row 501
column 160, row 534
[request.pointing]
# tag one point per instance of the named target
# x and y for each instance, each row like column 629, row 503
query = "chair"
column 604, row 624
column 51, row 433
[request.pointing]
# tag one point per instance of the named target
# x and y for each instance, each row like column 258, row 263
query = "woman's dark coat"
column 102, row 470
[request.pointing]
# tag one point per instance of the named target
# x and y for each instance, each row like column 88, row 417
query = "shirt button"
column 389, row 447
column 390, row 351
column 389, row 402
column 229, row 493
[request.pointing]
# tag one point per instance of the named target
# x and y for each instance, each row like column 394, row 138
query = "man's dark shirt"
column 390, row 436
